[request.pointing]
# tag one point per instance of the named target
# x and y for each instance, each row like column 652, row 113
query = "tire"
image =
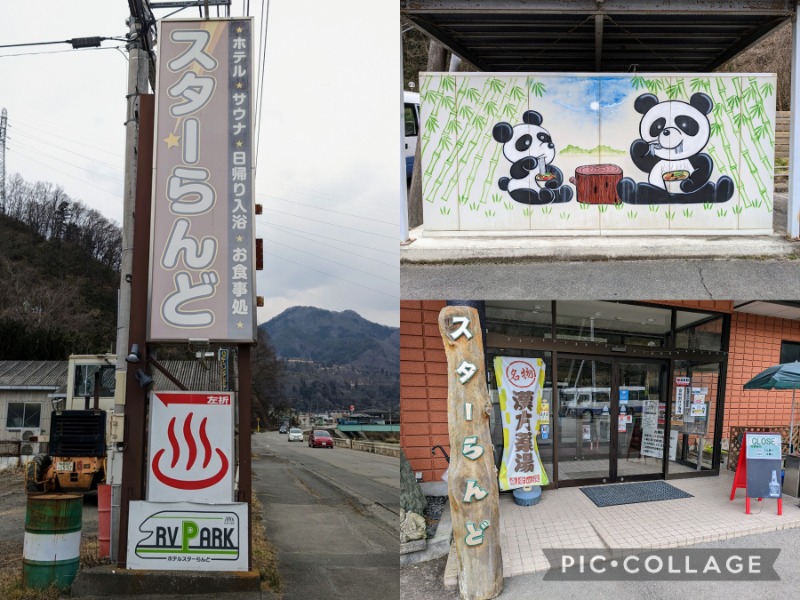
column 34, row 472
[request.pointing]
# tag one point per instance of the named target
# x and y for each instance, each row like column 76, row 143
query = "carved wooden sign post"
column 472, row 477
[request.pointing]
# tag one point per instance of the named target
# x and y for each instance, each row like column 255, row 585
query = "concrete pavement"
column 566, row 518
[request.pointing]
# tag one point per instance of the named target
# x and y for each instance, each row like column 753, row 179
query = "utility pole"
column 138, row 62
column 3, row 127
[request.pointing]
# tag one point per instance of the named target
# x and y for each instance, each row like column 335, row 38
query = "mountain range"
column 336, row 359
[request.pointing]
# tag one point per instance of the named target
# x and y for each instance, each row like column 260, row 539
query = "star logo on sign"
column 239, row 325
column 239, row 238
column 239, row 143
column 238, row 30
column 172, row 140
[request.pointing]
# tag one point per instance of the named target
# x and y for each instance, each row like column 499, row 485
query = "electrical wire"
column 396, row 297
column 72, row 139
column 27, row 138
column 294, row 231
column 338, row 212
column 350, row 267
column 308, row 237
column 61, row 160
column 60, row 51
column 260, row 90
column 307, row 218
column 117, row 195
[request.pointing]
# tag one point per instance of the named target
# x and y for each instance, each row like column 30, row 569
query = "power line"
column 116, row 195
column 263, row 55
column 334, row 276
column 326, row 237
column 295, row 232
column 307, row 218
column 72, row 139
column 338, row 212
column 350, row 267
column 60, row 51
column 70, row 150
column 66, row 162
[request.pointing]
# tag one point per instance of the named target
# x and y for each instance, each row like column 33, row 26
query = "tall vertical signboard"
column 474, row 497
column 202, row 287
column 520, row 382
column 202, row 284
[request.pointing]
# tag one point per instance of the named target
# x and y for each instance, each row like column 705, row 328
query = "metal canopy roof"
column 597, row 35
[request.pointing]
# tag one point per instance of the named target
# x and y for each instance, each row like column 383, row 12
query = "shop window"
column 21, row 414
column 613, row 323
column 698, row 331
column 84, row 380
column 790, row 352
column 525, row 319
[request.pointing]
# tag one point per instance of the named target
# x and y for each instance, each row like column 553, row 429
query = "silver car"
column 295, row 435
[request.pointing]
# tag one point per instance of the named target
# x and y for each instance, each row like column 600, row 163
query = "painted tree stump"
column 597, row 184
column 472, row 477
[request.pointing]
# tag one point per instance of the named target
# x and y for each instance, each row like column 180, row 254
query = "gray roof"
column 597, row 36
column 33, row 374
column 192, row 374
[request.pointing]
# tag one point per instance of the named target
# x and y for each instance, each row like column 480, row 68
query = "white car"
column 295, row 435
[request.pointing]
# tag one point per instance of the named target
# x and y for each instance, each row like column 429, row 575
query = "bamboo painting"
column 468, row 175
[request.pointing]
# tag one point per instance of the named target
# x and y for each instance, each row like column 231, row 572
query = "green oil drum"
column 51, row 553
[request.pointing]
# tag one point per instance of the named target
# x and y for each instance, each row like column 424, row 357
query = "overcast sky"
column 327, row 170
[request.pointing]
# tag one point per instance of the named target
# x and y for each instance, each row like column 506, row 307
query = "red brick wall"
column 756, row 345
column 423, row 387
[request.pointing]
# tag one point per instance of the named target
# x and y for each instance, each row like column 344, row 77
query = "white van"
column 411, row 103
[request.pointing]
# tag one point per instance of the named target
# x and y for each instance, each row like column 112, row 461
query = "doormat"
column 631, row 493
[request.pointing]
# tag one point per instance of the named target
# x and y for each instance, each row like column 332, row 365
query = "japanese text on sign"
column 201, row 273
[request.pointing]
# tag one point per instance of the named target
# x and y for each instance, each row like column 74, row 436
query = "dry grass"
column 264, row 560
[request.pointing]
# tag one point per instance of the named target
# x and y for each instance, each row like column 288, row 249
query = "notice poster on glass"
column 519, row 383
column 652, row 436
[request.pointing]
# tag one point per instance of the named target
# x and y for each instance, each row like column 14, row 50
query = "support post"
column 245, row 467
column 793, row 211
column 133, row 463
column 598, row 42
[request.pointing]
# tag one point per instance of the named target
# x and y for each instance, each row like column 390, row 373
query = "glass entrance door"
column 611, row 419
column 584, row 419
column 640, row 420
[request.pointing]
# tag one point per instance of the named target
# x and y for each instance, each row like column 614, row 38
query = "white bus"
column 590, row 401
column 411, row 104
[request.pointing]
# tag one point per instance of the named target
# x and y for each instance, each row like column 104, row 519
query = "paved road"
column 424, row 581
column 609, row 280
column 331, row 541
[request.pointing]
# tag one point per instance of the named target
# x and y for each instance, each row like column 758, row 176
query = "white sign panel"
column 191, row 447
column 187, row 537
column 763, row 446
column 520, row 382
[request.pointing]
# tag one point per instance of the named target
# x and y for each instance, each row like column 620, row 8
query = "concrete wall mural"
column 628, row 153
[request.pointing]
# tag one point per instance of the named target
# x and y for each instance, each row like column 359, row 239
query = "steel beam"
column 591, row 7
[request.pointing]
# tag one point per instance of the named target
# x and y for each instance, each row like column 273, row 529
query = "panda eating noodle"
column 529, row 147
column 673, row 133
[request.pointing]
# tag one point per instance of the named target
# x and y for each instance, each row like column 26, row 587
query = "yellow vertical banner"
column 519, row 384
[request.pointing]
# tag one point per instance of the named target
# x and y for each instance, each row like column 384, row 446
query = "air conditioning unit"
column 28, row 448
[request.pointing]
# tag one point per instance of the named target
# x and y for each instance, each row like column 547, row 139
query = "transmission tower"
column 3, row 119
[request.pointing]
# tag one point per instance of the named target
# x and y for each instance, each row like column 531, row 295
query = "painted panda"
column 673, row 134
column 530, row 149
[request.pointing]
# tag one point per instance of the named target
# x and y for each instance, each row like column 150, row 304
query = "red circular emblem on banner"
column 521, row 374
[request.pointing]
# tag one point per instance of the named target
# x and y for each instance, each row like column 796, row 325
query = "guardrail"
column 374, row 447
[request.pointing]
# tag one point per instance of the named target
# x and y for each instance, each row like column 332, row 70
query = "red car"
column 319, row 438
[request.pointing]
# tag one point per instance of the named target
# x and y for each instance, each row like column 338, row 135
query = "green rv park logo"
column 190, row 536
